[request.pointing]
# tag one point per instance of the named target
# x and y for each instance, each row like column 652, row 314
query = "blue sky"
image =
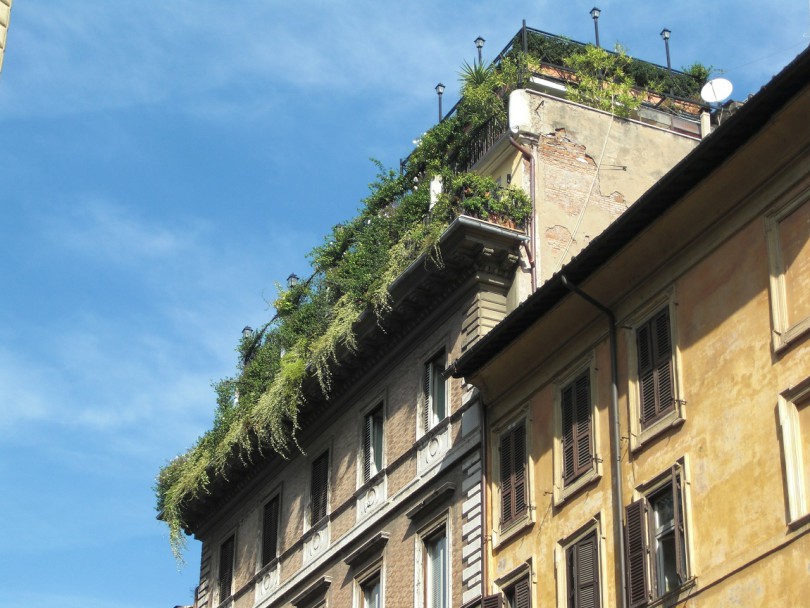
column 164, row 164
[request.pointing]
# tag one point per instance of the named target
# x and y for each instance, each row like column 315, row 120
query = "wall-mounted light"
column 439, row 92
column 665, row 34
column 595, row 12
column 479, row 44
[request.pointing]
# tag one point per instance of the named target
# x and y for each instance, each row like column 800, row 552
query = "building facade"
column 646, row 409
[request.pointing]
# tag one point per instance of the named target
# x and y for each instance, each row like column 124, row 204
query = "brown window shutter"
column 655, row 367
column 319, row 490
column 523, row 596
column 663, row 362
column 582, row 388
column 492, row 601
column 225, row 580
column 636, row 543
column 519, row 468
column 507, row 478
column 585, row 572
column 270, row 531
column 568, row 435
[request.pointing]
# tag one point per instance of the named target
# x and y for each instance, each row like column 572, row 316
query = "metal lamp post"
column 479, row 44
column 439, row 91
column 665, row 34
column 595, row 12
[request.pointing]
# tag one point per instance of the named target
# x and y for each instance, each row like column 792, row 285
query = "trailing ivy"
column 352, row 270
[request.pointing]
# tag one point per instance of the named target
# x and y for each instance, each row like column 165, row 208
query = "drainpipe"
column 616, row 460
column 531, row 250
column 485, row 527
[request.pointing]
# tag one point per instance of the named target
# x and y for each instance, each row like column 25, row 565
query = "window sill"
column 592, row 477
column 675, row 597
column 513, row 528
column 799, row 522
column 784, row 341
column 673, row 419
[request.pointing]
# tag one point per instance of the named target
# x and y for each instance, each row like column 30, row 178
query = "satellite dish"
column 716, row 90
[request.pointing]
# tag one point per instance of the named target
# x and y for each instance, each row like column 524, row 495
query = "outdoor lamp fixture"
column 439, row 91
column 292, row 281
column 595, row 12
column 665, row 33
column 479, row 44
column 247, row 332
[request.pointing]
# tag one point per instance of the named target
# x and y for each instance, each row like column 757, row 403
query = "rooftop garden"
column 257, row 409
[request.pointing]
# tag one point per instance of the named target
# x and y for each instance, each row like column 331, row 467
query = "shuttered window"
column 577, row 451
column 520, row 596
column 225, row 579
column 270, row 523
column 319, row 488
column 655, row 537
column 582, row 573
column 436, row 571
column 372, row 443
column 434, row 397
column 513, row 472
column 655, row 377
column 492, row 601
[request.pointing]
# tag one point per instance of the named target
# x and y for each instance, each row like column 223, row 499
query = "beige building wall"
column 730, row 263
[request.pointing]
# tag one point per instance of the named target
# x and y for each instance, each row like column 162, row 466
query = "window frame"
column 784, row 331
column 229, row 537
column 262, row 561
column 438, row 527
column 585, row 367
column 643, row 572
column 432, row 378
column 641, row 432
column 370, row 573
column 502, row 529
column 789, row 402
column 368, row 469
column 311, row 520
column 563, row 550
column 511, row 582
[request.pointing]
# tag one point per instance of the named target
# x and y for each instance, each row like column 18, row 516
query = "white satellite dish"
column 716, row 90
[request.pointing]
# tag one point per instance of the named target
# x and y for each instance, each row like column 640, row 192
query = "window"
column 582, row 572
column 270, row 524
column 789, row 260
column 577, row 449
column 225, row 579
column 436, row 575
column 655, row 393
column 656, row 541
column 319, row 488
column 370, row 589
column 513, row 472
column 518, row 595
column 373, row 443
column 794, row 420
column 433, row 392
column 655, row 378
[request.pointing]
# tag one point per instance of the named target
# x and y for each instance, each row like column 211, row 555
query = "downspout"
column 531, row 249
column 485, row 527
column 616, row 460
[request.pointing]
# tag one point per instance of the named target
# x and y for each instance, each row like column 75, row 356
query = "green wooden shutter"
column 270, row 530
column 636, row 544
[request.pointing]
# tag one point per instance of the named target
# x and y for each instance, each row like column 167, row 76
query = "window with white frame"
column 655, row 395
column 434, row 392
column 789, row 261
column 373, row 426
column 371, row 592
column 576, row 439
column 794, row 420
column 436, row 575
column 656, row 540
